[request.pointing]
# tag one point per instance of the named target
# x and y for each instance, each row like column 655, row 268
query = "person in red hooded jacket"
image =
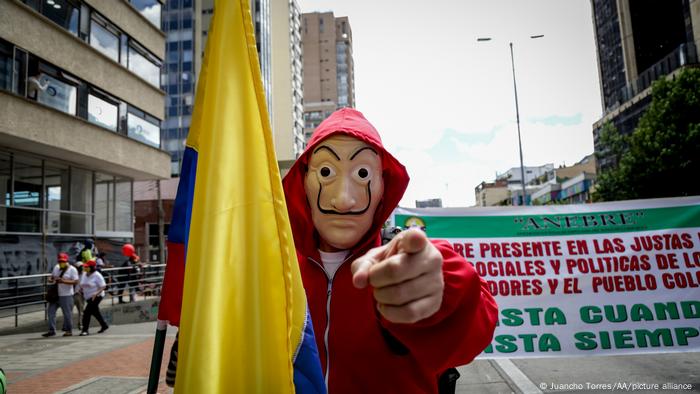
column 388, row 318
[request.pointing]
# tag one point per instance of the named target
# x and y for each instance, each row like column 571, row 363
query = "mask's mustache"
column 334, row 212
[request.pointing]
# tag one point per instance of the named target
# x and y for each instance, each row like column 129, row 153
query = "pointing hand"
column 406, row 275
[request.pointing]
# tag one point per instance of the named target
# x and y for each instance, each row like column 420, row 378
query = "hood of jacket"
column 350, row 122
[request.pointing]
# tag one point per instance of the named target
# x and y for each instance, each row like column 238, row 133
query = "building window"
column 122, row 191
column 62, row 12
column 68, row 199
column 6, row 61
column 143, row 128
column 49, row 197
column 151, row 9
column 113, row 204
column 104, row 38
column 104, row 202
column 23, row 197
column 103, row 112
column 53, row 92
column 144, row 65
column 153, row 240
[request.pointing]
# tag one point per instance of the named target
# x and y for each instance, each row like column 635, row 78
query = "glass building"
column 639, row 42
column 178, row 77
column 186, row 25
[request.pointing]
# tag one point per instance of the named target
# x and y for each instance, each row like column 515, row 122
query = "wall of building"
column 38, row 129
column 491, row 196
column 694, row 6
column 72, row 137
column 345, row 65
column 328, row 67
column 282, row 90
column 318, row 36
column 146, row 215
column 133, row 23
column 588, row 166
column 56, row 45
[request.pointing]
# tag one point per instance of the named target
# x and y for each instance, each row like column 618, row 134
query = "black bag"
column 52, row 293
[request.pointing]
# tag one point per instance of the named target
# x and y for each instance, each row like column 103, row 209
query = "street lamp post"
column 517, row 121
column 517, row 113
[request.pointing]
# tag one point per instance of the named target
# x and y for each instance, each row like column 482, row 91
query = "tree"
column 663, row 155
column 610, row 184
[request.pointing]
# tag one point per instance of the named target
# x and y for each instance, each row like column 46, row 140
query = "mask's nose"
column 343, row 199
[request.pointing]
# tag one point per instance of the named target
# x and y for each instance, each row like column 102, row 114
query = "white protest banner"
column 575, row 280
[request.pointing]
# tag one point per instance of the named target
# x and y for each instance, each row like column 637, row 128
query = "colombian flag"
column 232, row 282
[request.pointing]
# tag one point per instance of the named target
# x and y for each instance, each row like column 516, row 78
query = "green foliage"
column 662, row 158
column 611, row 185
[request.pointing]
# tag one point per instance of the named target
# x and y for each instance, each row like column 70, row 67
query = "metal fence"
column 25, row 294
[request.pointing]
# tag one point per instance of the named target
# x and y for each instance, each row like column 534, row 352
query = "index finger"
column 360, row 267
column 412, row 241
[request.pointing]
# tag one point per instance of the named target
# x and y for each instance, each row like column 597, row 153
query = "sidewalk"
column 118, row 361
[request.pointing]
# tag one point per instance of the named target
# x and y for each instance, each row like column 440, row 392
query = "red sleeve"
column 463, row 326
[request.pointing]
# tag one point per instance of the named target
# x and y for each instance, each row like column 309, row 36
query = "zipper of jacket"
column 328, row 319
column 328, row 314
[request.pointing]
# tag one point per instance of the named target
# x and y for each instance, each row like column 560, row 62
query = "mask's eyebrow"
column 329, row 149
column 361, row 149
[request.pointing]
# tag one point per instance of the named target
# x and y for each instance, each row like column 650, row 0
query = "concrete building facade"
column 329, row 79
column 488, row 194
column 80, row 114
column 287, row 82
column 639, row 42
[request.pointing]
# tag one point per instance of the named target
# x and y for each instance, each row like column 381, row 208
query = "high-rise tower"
column 329, row 80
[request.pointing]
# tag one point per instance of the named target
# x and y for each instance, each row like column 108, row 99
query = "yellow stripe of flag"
column 243, row 304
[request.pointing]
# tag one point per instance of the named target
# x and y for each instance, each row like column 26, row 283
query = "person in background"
column 130, row 274
column 87, row 252
column 102, row 262
column 65, row 276
column 93, row 285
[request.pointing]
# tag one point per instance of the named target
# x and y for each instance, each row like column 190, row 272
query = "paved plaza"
column 118, row 361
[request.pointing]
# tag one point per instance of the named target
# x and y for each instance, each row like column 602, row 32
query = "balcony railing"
column 685, row 54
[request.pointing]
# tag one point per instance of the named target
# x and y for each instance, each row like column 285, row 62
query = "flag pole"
column 157, row 357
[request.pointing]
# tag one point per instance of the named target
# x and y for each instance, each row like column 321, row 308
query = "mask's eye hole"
column 362, row 173
column 326, row 172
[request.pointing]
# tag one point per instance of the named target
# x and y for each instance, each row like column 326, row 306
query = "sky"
column 444, row 103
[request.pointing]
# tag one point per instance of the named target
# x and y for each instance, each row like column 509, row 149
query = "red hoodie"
column 361, row 352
